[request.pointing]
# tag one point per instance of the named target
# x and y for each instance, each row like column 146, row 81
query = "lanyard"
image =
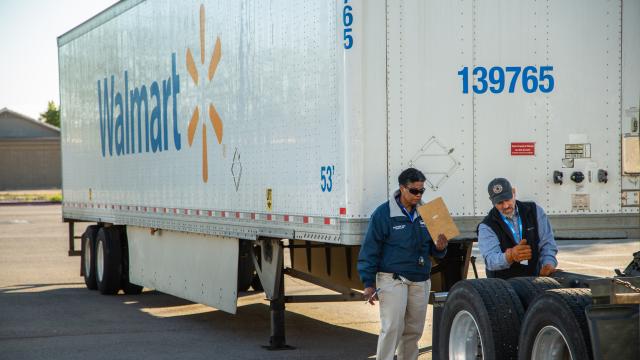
column 516, row 236
column 409, row 214
column 412, row 217
column 404, row 210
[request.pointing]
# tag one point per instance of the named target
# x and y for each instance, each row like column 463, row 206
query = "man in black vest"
column 515, row 238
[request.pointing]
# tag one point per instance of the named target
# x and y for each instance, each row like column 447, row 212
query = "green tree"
column 52, row 115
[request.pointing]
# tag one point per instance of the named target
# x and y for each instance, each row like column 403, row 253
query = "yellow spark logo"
column 213, row 114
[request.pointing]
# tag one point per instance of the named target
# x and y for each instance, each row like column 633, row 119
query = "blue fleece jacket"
column 394, row 243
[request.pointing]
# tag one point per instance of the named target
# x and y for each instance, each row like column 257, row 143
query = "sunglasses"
column 416, row 191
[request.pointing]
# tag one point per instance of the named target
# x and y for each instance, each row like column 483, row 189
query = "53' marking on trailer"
column 326, row 177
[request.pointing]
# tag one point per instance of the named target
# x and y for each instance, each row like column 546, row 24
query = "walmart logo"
column 144, row 119
column 214, row 118
column 127, row 126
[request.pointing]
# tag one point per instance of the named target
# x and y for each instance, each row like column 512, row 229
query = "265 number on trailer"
column 498, row 79
column 347, row 22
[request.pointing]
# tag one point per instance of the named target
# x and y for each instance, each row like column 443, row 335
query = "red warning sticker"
column 523, row 148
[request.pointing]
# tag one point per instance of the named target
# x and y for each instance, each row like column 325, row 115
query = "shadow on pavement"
column 67, row 321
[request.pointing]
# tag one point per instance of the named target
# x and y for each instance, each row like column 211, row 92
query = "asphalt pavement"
column 47, row 313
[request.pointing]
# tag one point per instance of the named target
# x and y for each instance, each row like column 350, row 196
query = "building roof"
column 14, row 125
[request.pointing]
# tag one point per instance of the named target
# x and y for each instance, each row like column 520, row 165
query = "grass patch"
column 30, row 197
column 55, row 198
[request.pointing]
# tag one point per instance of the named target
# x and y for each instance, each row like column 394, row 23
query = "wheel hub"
column 100, row 261
column 550, row 344
column 88, row 253
column 465, row 341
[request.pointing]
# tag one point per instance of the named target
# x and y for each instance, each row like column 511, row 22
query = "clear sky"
column 29, row 50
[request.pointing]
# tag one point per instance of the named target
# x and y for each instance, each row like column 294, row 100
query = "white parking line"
column 591, row 245
column 15, row 237
column 584, row 265
column 561, row 255
column 588, row 246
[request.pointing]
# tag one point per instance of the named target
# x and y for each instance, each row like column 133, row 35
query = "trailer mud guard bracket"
column 72, row 237
column 270, row 265
column 271, row 273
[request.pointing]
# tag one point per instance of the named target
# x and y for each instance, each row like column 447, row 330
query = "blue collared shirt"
column 496, row 260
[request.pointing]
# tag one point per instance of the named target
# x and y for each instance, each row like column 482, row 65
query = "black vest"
column 528, row 214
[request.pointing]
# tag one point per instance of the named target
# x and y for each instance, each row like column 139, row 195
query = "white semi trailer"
column 199, row 135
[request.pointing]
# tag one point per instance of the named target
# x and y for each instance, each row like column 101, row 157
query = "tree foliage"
column 52, row 115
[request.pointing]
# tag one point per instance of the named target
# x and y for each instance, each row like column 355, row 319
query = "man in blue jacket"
column 394, row 266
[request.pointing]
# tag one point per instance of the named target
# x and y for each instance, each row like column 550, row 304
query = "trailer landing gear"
column 277, row 340
column 268, row 257
column 268, row 261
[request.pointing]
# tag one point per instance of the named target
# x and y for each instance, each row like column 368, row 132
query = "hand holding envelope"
column 441, row 242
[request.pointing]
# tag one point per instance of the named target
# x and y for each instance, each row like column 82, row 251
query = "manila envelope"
column 438, row 220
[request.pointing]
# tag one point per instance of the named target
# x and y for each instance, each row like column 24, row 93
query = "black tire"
column 109, row 246
column 497, row 315
column 127, row 287
column 132, row 289
column 246, row 270
column 562, row 309
column 88, row 258
column 528, row 288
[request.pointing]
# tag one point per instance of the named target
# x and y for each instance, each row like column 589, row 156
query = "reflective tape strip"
column 300, row 219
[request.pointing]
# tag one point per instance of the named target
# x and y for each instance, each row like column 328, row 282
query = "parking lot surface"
column 47, row 313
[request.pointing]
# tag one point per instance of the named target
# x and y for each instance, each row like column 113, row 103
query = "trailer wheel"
column 132, row 289
column 528, row 288
column 555, row 326
column 108, row 260
column 246, row 269
column 481, row 319
column 88, row 258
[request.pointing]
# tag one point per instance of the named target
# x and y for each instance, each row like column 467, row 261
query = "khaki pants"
column 403, row 312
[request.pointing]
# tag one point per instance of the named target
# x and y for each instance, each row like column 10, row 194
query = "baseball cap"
column 499, row 190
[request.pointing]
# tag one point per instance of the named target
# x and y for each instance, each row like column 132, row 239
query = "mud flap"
column 200, row 268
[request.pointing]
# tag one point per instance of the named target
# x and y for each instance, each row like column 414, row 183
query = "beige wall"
column 30, row 164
